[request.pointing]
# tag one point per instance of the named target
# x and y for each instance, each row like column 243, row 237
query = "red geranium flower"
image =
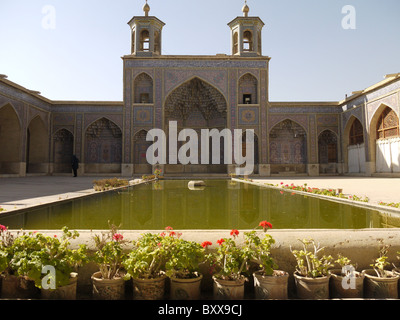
column 118, row 237
column 220, row 241
column 265, row 225
column 234, row 233
column 205, row 244
column 3, row 228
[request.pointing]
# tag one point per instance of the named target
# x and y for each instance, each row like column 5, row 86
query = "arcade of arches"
column 357, row 135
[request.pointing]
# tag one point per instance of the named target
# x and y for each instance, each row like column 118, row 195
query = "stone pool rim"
column 366, row 205
column 138, row 182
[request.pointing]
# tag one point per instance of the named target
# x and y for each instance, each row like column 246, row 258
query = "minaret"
column 246, row 34
column 146, row 34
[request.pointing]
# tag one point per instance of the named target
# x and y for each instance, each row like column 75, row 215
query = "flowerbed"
column 391, row 204
column 325, row 192
column 107, row 184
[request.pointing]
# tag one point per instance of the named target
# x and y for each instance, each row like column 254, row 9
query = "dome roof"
column 245, row 9
column 146, row 9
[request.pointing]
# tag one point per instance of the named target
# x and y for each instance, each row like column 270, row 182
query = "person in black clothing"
column 75, row 165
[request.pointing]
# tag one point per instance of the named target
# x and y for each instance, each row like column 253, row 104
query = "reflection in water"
column 221, row 205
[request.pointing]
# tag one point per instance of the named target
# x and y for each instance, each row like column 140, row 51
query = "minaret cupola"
column 146, row 34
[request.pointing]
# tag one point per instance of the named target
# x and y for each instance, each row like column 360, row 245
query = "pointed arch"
column 248, row 41
column 373, row 126
column 385, row 140
column 63, row 150
column 143, row 88
column 196, row 103
column 103, row 147
column 188, row 80
column 235, row 42
column 10, row 105
column 328, row 151
column 37, row 154
column 145, row 40
column 353, row 146
column 10, row 140
column 288, row 147
column 248, row 89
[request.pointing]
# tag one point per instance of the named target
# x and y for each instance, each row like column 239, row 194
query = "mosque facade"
column 356, row 136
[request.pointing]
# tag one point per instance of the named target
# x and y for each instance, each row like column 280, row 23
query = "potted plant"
column 32, row 254
column 56, row 253
column 379, row 282
column 269, row 283
column 183, row 266
column 229, row 261
column 108, row 282
column 14, row 284
column 396, row 270
column 346, row 282
column 312, row 271
column 145, row 265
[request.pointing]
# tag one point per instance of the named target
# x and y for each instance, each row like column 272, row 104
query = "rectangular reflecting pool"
column 222, row 204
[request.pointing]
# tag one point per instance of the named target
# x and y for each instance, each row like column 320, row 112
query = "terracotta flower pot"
column 186, row 289
column 107, row 289
column 381, row 288
column 228, row 289
column 338, row 290
column 67, row 292
column 149, row 289
column 312, row 288
column 271, row 287
column 14, row 287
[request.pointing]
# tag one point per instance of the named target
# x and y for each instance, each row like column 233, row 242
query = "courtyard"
column 21, row 193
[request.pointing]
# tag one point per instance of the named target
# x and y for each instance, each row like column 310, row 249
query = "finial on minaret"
column 146, row 9
column 245, row 9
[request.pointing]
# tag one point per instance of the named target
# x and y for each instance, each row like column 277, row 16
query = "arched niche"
column 37, row 151
column 387, row 140
column 288, row 147
column 196, row 105
column 328, row 152
column 248, row 89
column 63, row 149
column 143, row 89
column 10, row 140
column 103, row 147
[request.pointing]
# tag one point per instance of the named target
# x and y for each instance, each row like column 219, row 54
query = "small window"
column 144, row 98
column 235, row 43
column 247, row 41
column 247, row 99
column 145, row 40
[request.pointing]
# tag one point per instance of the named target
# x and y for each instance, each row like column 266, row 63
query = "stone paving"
column 21, row 193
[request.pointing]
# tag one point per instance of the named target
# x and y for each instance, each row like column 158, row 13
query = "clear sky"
column 313, row 58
